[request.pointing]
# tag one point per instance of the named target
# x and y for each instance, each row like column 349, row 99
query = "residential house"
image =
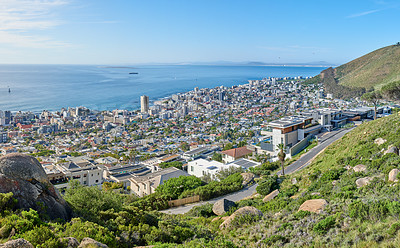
column 235, row 153
column 147, row 184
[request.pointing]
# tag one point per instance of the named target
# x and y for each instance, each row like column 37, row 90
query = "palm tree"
column 281, row 156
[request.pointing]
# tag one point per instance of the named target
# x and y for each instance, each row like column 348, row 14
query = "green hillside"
column 371, row 71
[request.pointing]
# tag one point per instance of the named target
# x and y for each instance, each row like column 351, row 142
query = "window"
column 191, row 168
column 97, row 181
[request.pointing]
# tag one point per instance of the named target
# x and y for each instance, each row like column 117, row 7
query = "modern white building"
column 201, row 167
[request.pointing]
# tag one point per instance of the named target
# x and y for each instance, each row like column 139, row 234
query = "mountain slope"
column 371, row 71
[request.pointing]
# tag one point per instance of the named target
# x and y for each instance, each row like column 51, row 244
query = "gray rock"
column 271, row 196
column 244, row 211
column 315, row 205
column 17, row 243
column 379, row 141
column 360, row 168
column 393, row 175
column 25, row 178
column 363, row 181
column 392, row 149
column 247, row 178
column 91, row 243
column 71, row 242
column 223, row 206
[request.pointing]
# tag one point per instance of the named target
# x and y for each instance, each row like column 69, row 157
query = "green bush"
column 267, row 185
column 216, row 188
column 324, row 225
column 394, row 228
column 204, row 210
column 174, row 187
column 301, row 214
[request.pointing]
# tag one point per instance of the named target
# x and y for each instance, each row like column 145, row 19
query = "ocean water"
column 51, row 87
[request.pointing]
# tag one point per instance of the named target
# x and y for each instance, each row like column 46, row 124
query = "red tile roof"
column 237, row 152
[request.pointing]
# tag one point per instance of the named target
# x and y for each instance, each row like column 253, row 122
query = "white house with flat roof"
column 201, row 167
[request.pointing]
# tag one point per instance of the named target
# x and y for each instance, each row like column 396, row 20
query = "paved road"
column 236, row 196
column 325, row 140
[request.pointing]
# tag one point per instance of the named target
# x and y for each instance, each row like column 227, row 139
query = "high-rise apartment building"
column 144, row 104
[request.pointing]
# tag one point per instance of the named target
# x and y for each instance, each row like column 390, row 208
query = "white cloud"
column 19, row 19
column 364, row 13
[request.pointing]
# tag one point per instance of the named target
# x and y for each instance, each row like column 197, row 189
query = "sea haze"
column 51, row 87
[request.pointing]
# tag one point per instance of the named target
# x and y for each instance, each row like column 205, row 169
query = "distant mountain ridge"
column 366, row 73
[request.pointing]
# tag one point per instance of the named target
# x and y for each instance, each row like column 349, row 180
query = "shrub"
column 301, row 214
column 275, row 238
column 202, row 211
column 174, row 187
column 267, row 185
column 214, row 189
column 324, row 225
column 394, row 228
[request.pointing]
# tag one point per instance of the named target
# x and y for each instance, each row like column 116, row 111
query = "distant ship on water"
column 133, row 72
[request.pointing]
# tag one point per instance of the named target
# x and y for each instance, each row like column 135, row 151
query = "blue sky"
column 172, row 31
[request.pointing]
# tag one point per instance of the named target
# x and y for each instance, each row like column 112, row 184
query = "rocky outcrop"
column 393, row 175
column 360, row 168
column 363, row 181
column 24, row 176
column 223, row 206
column 17, row 243
column 244, row 211
column 247, row 178
column 392, row 149
column 71, row 242
column 315, row 205
column 91, row 243
column 271, row 196
column 379, row 141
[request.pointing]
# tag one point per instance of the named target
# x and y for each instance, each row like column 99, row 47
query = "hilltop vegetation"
column 371, row 71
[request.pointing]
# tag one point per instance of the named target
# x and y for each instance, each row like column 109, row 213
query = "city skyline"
column 137, row 32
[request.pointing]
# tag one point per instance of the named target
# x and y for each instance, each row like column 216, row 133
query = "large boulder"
column 360, row 168
column 91, row 243
column 247, row 178
column 248, row 211
column 393, row 175
column 24, row 176
column 379, row 141
column 392, row 149
column 363, row 181
column 17, row 243
column 271, row 196
column 223, row 206
column 71, row 242
column 315, row 205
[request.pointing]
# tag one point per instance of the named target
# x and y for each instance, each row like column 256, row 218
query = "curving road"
column 325, row 140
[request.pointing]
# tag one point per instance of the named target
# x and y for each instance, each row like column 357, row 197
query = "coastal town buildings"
column 187, row 128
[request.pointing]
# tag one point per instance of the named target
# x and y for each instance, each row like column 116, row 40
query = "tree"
column 392, row 91
column 282, row 156
column 373, row 97
column 217, row 156
column 228, row 147
column 174, row 187
column 185, row 146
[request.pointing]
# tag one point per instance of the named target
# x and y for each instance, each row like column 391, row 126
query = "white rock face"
column 363, row 181
column 360, row 168
column 393, row 175
column 380, row 141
